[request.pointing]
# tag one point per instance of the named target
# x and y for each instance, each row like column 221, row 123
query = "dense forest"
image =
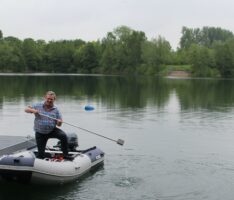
column 208, row 51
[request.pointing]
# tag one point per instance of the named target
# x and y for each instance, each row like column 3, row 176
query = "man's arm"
column 29, row 109
column 59, row 118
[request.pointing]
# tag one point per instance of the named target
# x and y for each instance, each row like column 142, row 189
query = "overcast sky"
column 92, row 19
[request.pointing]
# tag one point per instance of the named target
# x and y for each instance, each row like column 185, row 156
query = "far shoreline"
column 49, row 74
column 179, row 74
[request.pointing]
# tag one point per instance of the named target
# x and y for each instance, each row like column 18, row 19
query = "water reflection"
column 74, row 190
column 13, row 191
column 122, row 92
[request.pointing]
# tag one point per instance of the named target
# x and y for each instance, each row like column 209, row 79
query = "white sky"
column 92, row 19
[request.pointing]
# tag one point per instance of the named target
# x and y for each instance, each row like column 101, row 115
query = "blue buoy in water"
column 89, row 108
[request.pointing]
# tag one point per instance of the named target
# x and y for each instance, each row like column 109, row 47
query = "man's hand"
column 59, row 122
column 35, row 111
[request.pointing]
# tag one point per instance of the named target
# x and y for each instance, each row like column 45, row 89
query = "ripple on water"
column 128, row 182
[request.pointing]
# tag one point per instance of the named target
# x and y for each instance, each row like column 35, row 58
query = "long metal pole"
column 119, row 141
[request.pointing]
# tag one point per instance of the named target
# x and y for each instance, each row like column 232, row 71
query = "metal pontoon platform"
column 10, row 144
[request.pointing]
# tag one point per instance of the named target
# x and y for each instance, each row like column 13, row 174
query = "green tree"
column 108, row 56
column 206, row 36
column 60, row 56
column 121, row 50
column 189, row 37
column 224, row 54
column 10, row 58
column 156, row 53
column 210, row 35
column 85, row 58
column 180, row 57
column 32, row 55
column 202, row 60
column 16, row 44
column 1, row 35
column 128, row 48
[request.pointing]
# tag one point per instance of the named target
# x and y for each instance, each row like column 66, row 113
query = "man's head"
column 50, row 98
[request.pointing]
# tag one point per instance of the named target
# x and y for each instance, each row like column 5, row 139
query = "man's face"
column 49, row 100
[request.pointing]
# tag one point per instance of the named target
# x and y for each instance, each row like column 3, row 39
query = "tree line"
column 209, row 51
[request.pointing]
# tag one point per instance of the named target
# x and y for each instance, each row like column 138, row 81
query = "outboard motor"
column 72, row 141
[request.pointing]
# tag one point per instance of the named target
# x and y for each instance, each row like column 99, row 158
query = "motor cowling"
column 72, row 141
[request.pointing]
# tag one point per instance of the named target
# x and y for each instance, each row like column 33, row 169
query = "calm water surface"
column 179, row 135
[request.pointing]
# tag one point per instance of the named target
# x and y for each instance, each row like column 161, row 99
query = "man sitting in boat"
column 46, row 127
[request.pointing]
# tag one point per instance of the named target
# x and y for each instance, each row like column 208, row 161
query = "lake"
column 178, row 133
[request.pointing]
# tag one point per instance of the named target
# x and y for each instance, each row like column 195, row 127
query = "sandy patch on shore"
column 179, row 74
